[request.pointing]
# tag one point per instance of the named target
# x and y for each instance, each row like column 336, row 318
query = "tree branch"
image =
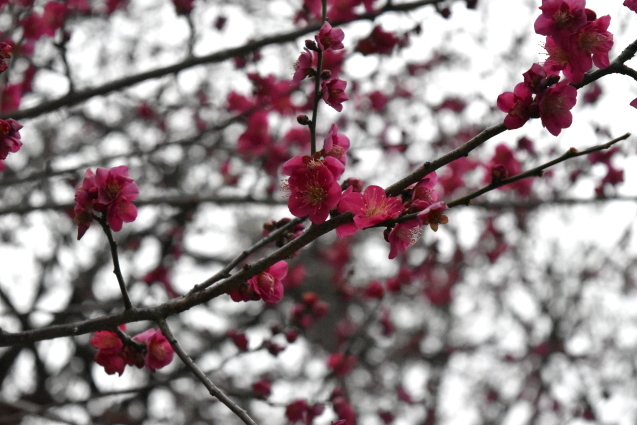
column 74, row 98
column 534, row 172
column 115, row 256
column 212, row 388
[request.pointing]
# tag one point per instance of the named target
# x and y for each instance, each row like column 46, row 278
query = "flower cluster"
column 109, row 191
column 150, row 349
column 423, row 200
column 313, row 180
column 575, row 40
column 332, row 88
column 9, row 139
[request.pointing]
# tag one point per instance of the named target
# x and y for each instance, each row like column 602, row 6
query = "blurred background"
column 520, row 310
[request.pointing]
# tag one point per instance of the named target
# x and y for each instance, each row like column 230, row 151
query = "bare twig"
column 212, row 388
column 116, row 268
column 225, row 272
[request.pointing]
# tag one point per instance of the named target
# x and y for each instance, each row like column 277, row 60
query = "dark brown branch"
column 225, row 272
column 529, row 204
column 184, row 303
column 534, row 172
column 116, row 269
column 212, row 388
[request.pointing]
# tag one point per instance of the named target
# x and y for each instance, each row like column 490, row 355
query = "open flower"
column 518, row 105
column 333, row 92
column 329, row 38
column 159, row 352
column 555, row 105
column 303, row 66
column 402, row 236
column 369, row 208
column 268, row 284
column 110, row 191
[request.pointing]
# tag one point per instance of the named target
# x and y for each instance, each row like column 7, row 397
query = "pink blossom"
column 112, row 354
column 424, row 194
column 631, row 4
column 341, row 364
column 633, row 103
column 303, row 66
column 111, row 192
column 107, row 341
column 555, row 105
column 333, row 92
column 244, row 292
column 159, row 352
column 256, row 139
column 11, row 97
column 85, row 198
column 314, row 192
column 593, row 93
column 5, row 53
column 336, row 145
column 433, row 215
column 9, row 137
column 402, row 236
column 268, row 284
column 183, row 7
column 537, row 78
column 329, row 38
column 379, row 41
column 116, row 191
column 53, row 17
column 560, row 16
column 504, row 164
column 371, row 207
column 262, row 389
column 594, row 38
column 302, row 162
column 518, row 105
column 567, row 57
column 378, row 100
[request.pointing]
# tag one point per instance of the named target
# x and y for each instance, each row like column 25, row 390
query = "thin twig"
column 116, row 269
column 212, row 388
column 317, row 86
column 71, row 99
column 534, row 172
column 225, row 272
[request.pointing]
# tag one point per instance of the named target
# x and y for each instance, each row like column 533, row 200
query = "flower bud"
column 303, row 120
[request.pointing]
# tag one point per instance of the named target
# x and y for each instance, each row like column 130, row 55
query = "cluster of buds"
column 149, row 349
column 311, row 308
column 332, row 88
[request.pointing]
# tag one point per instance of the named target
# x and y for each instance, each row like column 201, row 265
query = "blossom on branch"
column 9, row 137
column 159, row 352
column 555, row 106
column 333, row 92
column 369, row 208
column 268, row 284
column 111, row 192
column 329, row 38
